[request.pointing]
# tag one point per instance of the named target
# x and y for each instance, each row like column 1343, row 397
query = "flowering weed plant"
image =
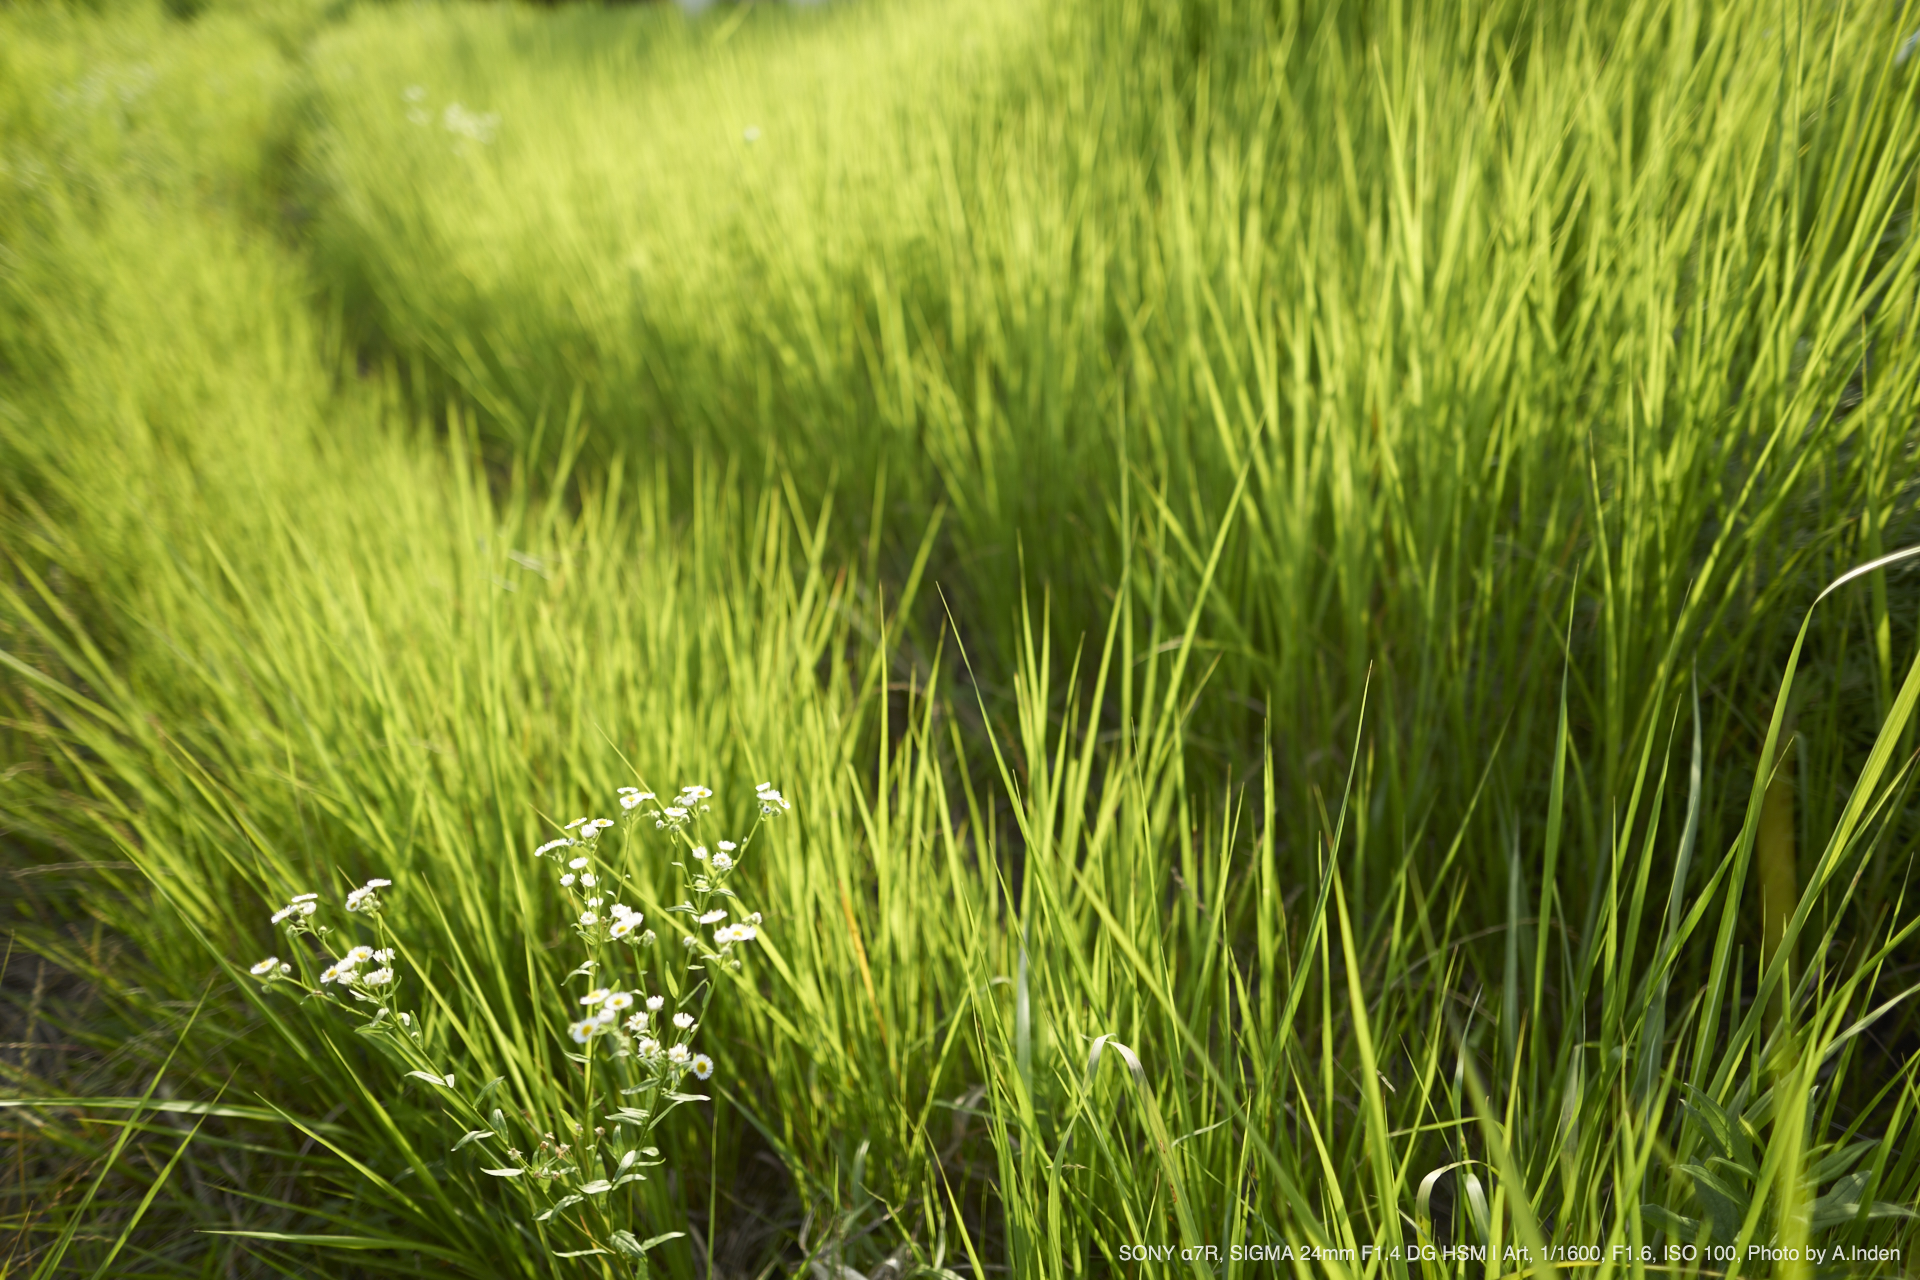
column 632, row 1034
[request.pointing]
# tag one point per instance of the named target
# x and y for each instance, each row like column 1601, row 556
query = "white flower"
column 702, row 1065
column 283, row 913
column 377, row 883
column 637, row 1023
column 406, row 1019
column 591, row 829
column 298, row 898
column 337, row 973
column 623, row 926
column 595, row 996
column 619, row 1000
column 621, row 910
column 583, row 1030
column 359, row 955
column 308, row 907
column 383, row 955
column 716, row 914
column 577, row 863
column 629, row 799
column 647, row 1047
column 694, row 791
column 576, row 822
column 654, row 1003
column 285, row 968
column 754, row 918
column 589, row 918
column 567, row 880
column 762, row 786
column 689, row 942
column 683, row 1020
column 378, row 978
column 606, row 1017
column 700, row 853
column 628, row 791
column 265, row 967
column 721, row 862
column 586, row 878
column 728, row 846
column 678, row 1054
column 745, row 933
column 551, row 845
column 675, row 812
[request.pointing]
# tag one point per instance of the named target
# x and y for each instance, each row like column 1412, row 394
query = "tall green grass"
column 1268, row 545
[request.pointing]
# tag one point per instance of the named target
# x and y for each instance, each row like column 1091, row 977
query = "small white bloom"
column 721, row 862
column 683, row 1020
column 587, row 879
column 265, row 967
column 567, row 880
column 716, row 914
column 637, row 1023
column 745, row 933
column 620, row 910
column 337, row 973
column 689, row 942
column 606, row 1017
column 285, row 968
column 589, row 918
column 551, row 845
column 307, row 907
column 623, row 926
column 576, row 822
column 595, row 996
column 754, row 918
column 678, row 1054
column 302, row 897
column 761, row 786
column 728, row 846
column 702, row 1065
column 583, row 1030
column 359, row 955
column 628, row 791
column 619, row 1000
column 700, row 853
column 694, row 791
column 378, row 978
column 654, row 1003
column 577, row 863
column 406, row 1019
column 647, row 1047
column 377, row 883
column 383, row 955
column 283, row 913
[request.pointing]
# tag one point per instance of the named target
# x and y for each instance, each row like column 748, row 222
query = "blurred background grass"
column 403, row 407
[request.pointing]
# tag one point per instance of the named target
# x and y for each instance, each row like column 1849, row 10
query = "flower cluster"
column 634, row 1035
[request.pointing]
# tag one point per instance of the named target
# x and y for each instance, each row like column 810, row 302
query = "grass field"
column 1276, row 549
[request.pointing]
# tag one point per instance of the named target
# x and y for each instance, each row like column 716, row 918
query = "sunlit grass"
column 1269, row 548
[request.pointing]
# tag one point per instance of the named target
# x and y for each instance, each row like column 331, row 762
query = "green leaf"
column 660, row 1239
column 625, row 1242
column 1841, row 1161
column 564, row 1202
column 1664, row 1219
column 598, row 1187
column 503, row 1173
column 581, row 1253
column 472, row 1135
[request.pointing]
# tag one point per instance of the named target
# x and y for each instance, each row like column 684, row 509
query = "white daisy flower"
column 721, row 862
column 594, row 902
column 628, row 791
column 595, row 996
column 551, row 845
column 583, row 1030
column 630, row 800
column 576, row 822
column 589, row 918
column 377, row 883
column 621, row 910
column 654, row 1003
column 700, row 853
column 606, row 1017
column 694, row 791
column 567, row 880
column 587, row 879
column 716, row 914
column 683, row 1020
column 378, row 978
column 745, row 933
column 623, row 926
column 577, row 863
column 617, row 1001
column 647, row 1047
column 637, row 1023
column 265, row 967
column 337, row 973
column 678, row 1055
column 359, row 955
column 383, row 955
column 728, row 846
column 702, row 1065
column 283, row 913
